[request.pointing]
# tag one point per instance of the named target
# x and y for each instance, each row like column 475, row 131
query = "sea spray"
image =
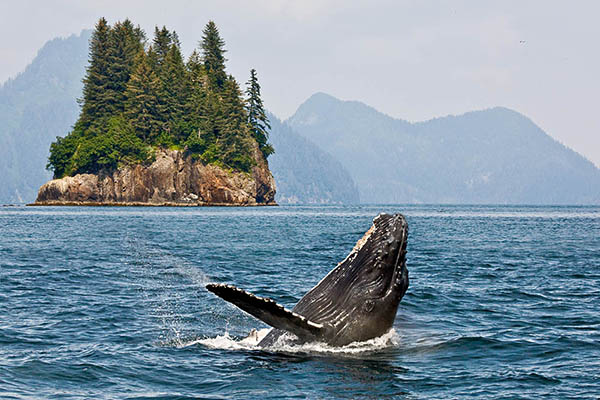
column 285, row 344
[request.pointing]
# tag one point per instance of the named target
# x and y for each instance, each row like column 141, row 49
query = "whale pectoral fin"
column 268, row 311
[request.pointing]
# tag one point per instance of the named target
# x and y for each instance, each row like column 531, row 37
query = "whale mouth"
column 390, row 239
column 378, row 260
column 399, row 276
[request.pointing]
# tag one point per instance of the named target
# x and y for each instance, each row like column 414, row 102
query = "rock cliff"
column 172, row 179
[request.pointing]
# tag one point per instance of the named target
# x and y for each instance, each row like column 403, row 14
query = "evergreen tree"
column 175, row 39
column 257, row 117
column 213, row 52
column 174, row 94
column 135, row 39
column 97, row 78
column 198, row 110
column 195, row 108
column 206, row 117
column 124, row 45
column 194, row 65
column 138, row 35
column 142, row 107
column 152, row 59
column 196, row 72
column 161, row 44
column 234, row 135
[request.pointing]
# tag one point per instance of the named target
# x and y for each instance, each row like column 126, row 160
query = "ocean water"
column 504, row 302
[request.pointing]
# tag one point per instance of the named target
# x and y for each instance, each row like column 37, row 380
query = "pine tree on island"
column 257, row 117
column 213, row 52
column 143, row 105
column 96, row 81
column 138, row 97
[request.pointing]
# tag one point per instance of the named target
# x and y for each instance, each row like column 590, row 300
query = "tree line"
column 138, row 96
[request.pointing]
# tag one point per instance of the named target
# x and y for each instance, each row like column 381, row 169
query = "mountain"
column 304, row 173
column 35, row 107
column 493, row 156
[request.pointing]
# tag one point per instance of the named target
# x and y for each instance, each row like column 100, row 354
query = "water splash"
column 160, row 275
column 285, row 344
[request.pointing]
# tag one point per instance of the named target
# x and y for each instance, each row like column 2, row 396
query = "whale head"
column 377, row 264
column 358, row 299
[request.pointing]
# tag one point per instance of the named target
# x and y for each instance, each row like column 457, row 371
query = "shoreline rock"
column 55, row 203
column 173, row 179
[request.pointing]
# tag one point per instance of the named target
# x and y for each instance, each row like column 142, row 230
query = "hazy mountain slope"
column 304, row 173
column 489, row 156
column 35, row 107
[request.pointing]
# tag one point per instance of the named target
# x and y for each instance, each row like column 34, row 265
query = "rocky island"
column 172, row 180
column 155, row 130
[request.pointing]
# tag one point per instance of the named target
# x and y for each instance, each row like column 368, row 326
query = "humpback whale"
column 356, row 301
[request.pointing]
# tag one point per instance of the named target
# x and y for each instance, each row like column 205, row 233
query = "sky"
column 413, row 60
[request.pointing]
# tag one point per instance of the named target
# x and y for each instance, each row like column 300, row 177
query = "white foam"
column 285, row 344
column 226, row 342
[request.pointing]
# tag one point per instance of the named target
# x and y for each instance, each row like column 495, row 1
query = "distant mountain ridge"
column 306, row 174
column 494, row 156
column 329, row 151
column 35, row 107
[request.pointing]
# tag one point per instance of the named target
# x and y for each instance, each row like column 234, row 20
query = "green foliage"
column 142, row 101
column 257, row 117
column 267, row 149
column 118, row 145
column 125, row 43
column 213, row 51
column 92, row 152
column 174, row 94
column 161, row 44
column 135, row 99
column 164, row 140
column 95, row 84
column 61, row 154
column 242, row 162
column 195, row 143
column 211, row 154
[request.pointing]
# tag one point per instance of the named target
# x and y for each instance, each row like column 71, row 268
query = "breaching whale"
column 356, row 301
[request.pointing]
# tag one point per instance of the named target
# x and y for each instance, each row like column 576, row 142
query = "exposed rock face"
column 172, row 179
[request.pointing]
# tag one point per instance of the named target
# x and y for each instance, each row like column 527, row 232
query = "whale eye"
column 369, row 305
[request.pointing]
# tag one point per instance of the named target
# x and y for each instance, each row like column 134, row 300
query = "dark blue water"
column 504, row 302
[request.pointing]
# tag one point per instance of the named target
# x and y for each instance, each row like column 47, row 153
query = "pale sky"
column 413, row 60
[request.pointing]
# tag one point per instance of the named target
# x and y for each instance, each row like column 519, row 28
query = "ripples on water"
column 110, row 303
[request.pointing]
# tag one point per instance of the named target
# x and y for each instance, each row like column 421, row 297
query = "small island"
column 155, row 130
